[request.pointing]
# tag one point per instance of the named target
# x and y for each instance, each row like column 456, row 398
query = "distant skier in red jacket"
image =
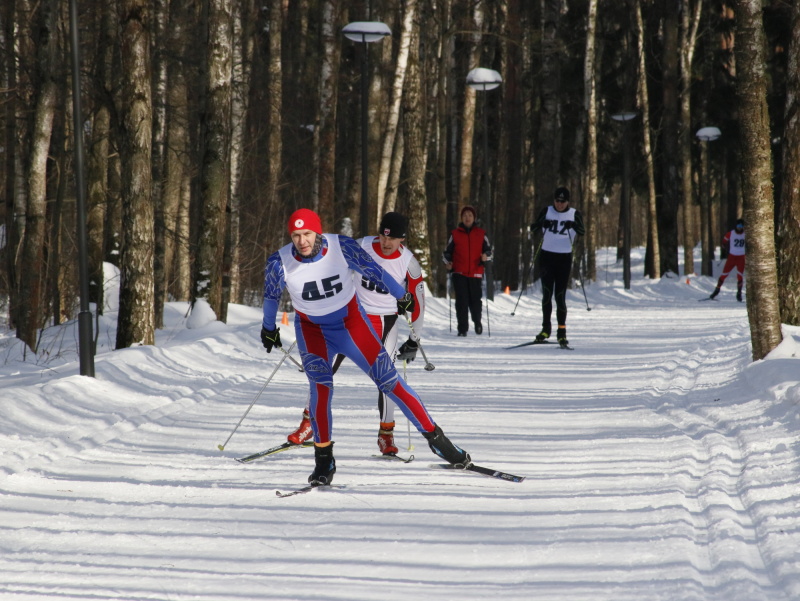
column 733, row 243
column 467, row 250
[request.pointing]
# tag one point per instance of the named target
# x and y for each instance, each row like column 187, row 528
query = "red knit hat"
column 305, row 219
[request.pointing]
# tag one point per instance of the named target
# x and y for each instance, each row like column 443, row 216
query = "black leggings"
column 555, row 269
column 469, row 296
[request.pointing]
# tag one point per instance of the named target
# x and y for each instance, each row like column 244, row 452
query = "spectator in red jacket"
column 467, row 250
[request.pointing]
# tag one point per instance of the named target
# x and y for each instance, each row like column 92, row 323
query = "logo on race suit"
column 298, row 224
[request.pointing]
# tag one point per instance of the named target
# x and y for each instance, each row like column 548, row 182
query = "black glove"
column 406, row 304
column 568, row 225
column 547, row 224
column 408, row 350
column 270, row 338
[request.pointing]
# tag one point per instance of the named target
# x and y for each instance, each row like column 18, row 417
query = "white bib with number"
column 557, row 238
column 319, row 287
column 375, row 299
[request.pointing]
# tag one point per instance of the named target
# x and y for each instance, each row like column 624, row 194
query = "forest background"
column 205, row 123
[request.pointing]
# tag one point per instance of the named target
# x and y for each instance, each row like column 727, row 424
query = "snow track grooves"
column 660, row 464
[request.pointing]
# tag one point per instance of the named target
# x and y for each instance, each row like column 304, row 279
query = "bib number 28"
column 330, row 287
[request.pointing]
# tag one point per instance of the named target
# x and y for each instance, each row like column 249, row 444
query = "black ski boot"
column 326, row 465
column 715, row 293
column 441, row 445
column 739, row 294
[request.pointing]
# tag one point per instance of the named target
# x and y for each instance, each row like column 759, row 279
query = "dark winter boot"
column 739, row 293
column 542, row 336
column 715, row 293
column 561, row 336
column 441, row 445
column 326, row 465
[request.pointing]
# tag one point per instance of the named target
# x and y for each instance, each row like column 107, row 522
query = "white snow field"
column 661, row 463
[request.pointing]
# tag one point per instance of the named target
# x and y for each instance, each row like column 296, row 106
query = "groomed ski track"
column 660, row 465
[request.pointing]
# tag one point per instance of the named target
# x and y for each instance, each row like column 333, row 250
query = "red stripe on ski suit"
column 348, row 332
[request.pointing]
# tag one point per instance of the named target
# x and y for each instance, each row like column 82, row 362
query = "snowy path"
column 661, row 465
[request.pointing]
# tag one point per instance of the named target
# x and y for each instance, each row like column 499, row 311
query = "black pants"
column 469, row 297
column 554, row 270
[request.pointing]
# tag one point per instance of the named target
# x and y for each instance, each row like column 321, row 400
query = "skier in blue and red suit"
column 317, row 269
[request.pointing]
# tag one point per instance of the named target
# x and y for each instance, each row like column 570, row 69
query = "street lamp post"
column 365, row 32
column 482, row 80
column 625, row 201
column 86, row 352
column 706, row 135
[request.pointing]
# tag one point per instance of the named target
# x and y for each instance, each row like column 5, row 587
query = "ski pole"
column 295, row 361
column 221, row 447
column 527, row 271
column 488, row 321
column 580, row 274
column 410, row 446
column 428, row 365
column 449, row 302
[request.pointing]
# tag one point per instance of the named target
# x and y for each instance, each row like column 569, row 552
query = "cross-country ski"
column 273, row 450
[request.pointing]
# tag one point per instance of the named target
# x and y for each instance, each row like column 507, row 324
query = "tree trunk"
column 393, row 114
column 214, row 178
column 465, row 171
column 762, row 277
column 590, row 170
column 32, row 313
column 177, row 165
column 652, row 254
column 788, row 238
column 136, row 320
column 690, row 22
column 549, row 156
column 670, row 180
column 97, row 158
column 416, row 158
column 324, row 144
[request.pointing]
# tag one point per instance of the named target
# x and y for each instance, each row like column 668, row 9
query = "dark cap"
column 740, row 223
column 561, row 194
column 393, row 225
column 471, row 209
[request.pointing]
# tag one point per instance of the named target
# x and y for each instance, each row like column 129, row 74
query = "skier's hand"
column 568, row 225
column 270, row 338
column 406, row 304
column 408, row 351
column 547, row 224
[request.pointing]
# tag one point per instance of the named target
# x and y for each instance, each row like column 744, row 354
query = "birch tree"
column 136, row 319
column 652, row 253
column 788, row 235
column 690, row 23
column 214, row 178
column 393, row 116
column 32, row 312
column 590, row 168
column 756, row 167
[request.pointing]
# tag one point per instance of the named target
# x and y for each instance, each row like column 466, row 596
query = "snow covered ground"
column 661, row 463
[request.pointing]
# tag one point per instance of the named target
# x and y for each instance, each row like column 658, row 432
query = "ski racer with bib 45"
column 387, row 250
column 317, row 269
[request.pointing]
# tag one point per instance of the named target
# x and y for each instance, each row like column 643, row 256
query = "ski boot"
column 441, row 446
column 325, row 466
column 715, row 293
column 303, row 432
column 386, row 439
column 562, row 336
column 739, row 293
column 542, row 336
